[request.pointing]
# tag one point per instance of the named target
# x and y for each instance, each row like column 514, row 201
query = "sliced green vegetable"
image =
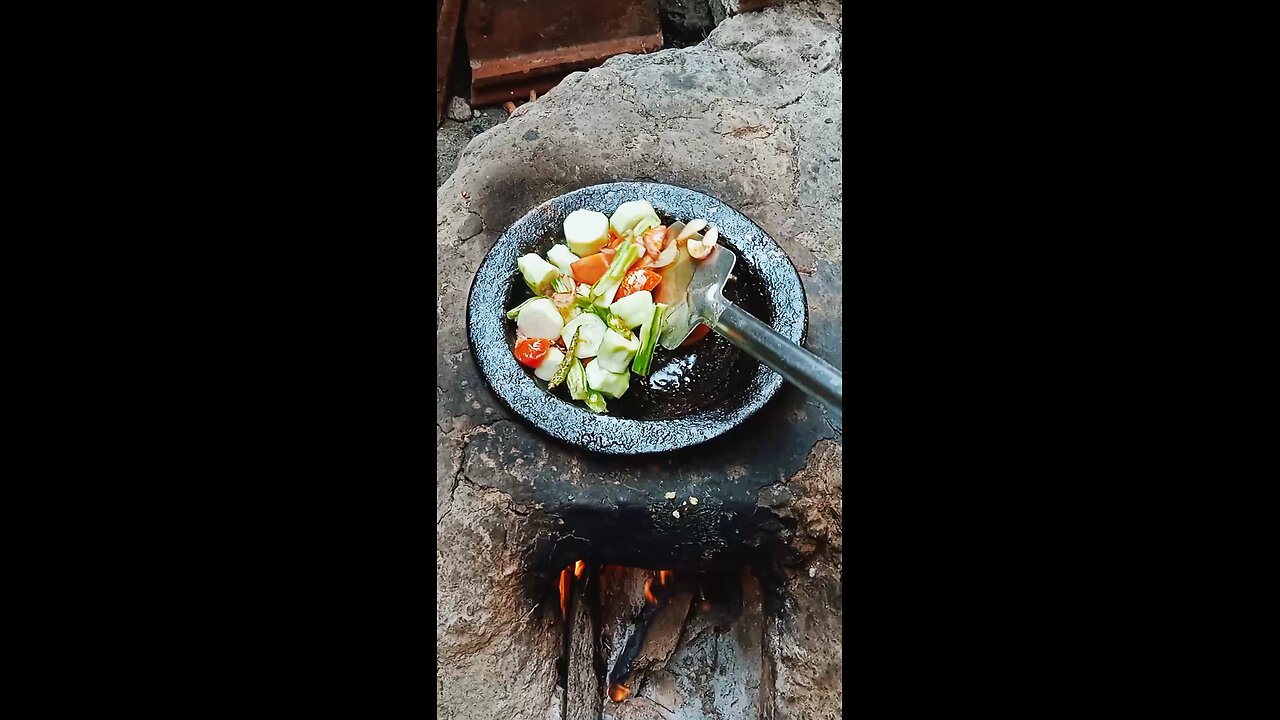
column 606, row 314
column 607, row 286
column 593, row 330
column 595, row 402
column 559, row 285
column 538, row 273
column 563, row 258
column 616, row 352
column 634, row 217
column 577, row 381
column 649, row 333
column 608, row 383
column 514, row 312
column 634, row 309
column 570, row 358
column 618, row 325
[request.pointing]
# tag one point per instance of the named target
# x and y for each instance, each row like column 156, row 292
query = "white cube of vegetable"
column 635, row 216
column 616, row 351
column 610, row 384
column 562, row 258
column 593, row 330
column 547, row 368
column 586, row 231
column 540, row 319
column 634, row 309
column 538, row 273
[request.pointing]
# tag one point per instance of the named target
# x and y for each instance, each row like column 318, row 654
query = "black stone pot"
column 692, row 394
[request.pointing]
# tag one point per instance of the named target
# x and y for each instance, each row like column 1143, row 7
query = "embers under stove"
column 685, row 642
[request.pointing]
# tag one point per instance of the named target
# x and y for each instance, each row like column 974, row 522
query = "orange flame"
column 578, row 568
column 618, row 693
column 663, row 575
column 564, row 591
column 648, row 594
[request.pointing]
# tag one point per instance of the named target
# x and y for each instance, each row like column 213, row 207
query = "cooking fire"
column 633, row 636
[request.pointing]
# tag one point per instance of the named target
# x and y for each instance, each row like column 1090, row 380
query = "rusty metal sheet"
column 521, row 45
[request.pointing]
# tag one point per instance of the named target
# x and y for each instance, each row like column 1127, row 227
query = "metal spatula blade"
column 704, row 303
column 701, row 299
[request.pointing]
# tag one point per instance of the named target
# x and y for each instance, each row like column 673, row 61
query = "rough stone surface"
column 452, row 136
column 459, row 109
column 751, row 116
column 802, row 646
column 493, row 651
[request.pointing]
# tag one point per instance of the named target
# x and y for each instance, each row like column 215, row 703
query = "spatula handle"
column 795, row 364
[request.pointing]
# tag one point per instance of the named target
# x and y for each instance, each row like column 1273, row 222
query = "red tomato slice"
column 531, row 351
column 637, row 280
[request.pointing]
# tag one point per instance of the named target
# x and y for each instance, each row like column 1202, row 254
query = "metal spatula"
column 705, row 303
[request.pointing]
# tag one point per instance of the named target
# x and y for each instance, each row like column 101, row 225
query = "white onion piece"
column 711, row 237
column 691, row 229
column 667, row 256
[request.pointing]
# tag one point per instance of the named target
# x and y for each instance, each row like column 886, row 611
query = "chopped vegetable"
column 607, row 383
column 567, row 361
column 606, row 287
column 514, row 312
column 634, row 309
column 699, row 249
column 586, row 231
column 668, row 254
column 547, row 368
column 593, row 330
column 606, row 297
column 577, row 381
column 531, row 351
column 675, row 279
column 595, row 402
column 538, row 273
column 614, row 322
column 637, row 280
column 590, row 268
column 654, row 239
column 616, row 352
column 634, row 217
column 648, row 341
column 693, row 228
column 563, row 258
column 540, row 319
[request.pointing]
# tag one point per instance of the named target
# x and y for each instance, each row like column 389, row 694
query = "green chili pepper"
column 562, row 370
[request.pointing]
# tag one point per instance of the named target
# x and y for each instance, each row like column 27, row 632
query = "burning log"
column 656, row 634
column 717, row 669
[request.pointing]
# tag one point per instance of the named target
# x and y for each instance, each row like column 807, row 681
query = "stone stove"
column 752, row 116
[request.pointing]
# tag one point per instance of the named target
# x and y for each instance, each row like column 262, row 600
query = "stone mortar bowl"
column 692, row 394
